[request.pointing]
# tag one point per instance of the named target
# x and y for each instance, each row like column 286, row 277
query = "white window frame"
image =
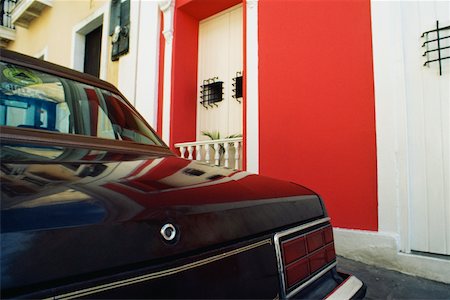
column 79, row 32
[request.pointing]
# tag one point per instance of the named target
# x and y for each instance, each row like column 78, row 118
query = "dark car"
column 95, row 205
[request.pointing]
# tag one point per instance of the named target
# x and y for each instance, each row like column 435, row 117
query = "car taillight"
column 306, row 254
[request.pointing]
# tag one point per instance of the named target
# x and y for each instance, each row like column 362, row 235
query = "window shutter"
column 114, row 18
column 120, row 14
column 125, row 13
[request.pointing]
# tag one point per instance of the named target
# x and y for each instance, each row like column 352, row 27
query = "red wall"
column 183, row 114
column 201, row 9
column 184, row 78
column 317, row 115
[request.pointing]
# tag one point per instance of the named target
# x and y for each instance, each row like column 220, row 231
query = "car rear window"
column 38, row 100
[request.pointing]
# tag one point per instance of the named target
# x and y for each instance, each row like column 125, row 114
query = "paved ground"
column 386, row 284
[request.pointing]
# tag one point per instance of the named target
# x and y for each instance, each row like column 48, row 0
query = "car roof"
column 48, row 67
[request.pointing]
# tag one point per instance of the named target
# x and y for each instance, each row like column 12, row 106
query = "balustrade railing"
column 223, row 152
column 6, row 7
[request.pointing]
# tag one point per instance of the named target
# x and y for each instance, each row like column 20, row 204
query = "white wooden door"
column 220, row 55
column 428, row 115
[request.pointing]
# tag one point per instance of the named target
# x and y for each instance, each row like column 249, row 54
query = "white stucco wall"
column 138, row 70
column 148, row 61
column 390, row 108
column 394, row 47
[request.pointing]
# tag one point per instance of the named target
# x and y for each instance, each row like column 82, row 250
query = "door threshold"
column 429, row 254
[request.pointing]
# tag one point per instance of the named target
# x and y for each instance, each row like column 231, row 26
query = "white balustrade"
column 198, row 152
column 226, row 154
column 207, row 155
column 190, row 151
column 222, row 151
column 236, row 155
column 217, row 154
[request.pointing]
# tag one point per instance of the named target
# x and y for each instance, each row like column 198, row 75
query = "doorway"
column 428, row 111
column 92, row 52
column 220, row 67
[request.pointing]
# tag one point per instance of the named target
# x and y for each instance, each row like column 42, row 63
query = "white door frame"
column 252, row 87
column 79, row 32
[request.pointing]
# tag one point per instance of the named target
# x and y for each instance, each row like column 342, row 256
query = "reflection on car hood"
column 106, row 209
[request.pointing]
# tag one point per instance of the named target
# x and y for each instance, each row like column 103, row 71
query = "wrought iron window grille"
column 211, row 92
column 237, row 87
column 436, row 37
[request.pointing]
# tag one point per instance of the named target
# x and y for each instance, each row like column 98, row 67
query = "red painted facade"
column 188, row 14
column 184, row 78
column 317, row 114
column 316, row 97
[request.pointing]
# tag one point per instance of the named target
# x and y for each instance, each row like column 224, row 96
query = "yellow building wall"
column 53, row 30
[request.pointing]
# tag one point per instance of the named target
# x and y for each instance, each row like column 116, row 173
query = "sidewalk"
column 386, row 284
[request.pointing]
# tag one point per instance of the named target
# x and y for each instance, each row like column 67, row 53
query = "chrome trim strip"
column 277, row 243
column 346, row 290
column 311, row 280
column 142, row 278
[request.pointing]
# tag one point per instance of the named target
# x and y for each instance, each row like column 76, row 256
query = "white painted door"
column 220, row 55
column 428, row 117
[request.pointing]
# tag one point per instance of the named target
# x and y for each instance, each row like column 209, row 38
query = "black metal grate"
column 237, row 84
column 433, row 43
column 211, row 92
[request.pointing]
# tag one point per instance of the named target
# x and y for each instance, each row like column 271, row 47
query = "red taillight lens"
column 330, row 253
column 317, row 260
column 294, row 250
column 297, row 271
column 328, row 234
column 315, row 240
column 306, row 254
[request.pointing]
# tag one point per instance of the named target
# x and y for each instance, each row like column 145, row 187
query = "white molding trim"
column 7, row 35
column 252, row 113
column 168, row 9
column 381, row 250
column 79, row 31
column 391, row 125
column 43, row 53
column 23, row 6
column 147, row 67
column 128, row 63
